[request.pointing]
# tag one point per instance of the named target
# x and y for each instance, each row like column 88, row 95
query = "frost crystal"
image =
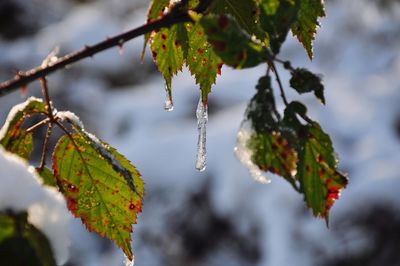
column 202, row 118
column 51, row 58
column 244, row 154
column 69, row 116
column 168, row 105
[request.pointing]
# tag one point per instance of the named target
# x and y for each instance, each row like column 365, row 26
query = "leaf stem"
column 39, row 124
column 278, row 80
column 45, row 147
column 45, row 91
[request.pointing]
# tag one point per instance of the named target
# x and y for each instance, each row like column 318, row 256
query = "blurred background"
column 222, row 217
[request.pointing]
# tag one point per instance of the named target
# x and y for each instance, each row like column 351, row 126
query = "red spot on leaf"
column 273, row 170
column 163, row 47
column 223, row 21
column 200, row 51
column 135, row 207
column 163, row 36
column 241, row 55
column 72, row 205
column 321, row 172
column 308, row 168
column 219, row 67
column 72, row 188
column 212, row 30
column 218, row 45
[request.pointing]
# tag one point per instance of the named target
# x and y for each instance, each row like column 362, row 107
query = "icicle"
column 202, row 118
column 168, row 105
column 243, row 153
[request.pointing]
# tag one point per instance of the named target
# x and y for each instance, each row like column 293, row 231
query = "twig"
column 45, row 147
column 24, row 78
column 286, row 64
column 278, row 80
column 45, row 92
column 35, row 126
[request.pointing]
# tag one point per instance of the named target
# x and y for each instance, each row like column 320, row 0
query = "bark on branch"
column 22, row 79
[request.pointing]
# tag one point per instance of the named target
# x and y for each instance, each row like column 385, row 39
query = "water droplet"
column 202, row 118
column 168, row 105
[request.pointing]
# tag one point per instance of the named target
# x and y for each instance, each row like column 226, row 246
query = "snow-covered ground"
column 222, row 216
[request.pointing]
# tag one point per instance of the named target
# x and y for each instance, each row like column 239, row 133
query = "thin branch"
column 45, row 92
column 286, row 64
column 45, row 147
column 278, row 80
column 35, row 126
column 24, row 78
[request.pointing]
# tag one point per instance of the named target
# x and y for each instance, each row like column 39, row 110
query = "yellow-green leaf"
column 97, row 193
column 203, row 63
column 155, row 11
column 47, row 177
column 13, row 137
column 306, row 24
column 168, row 54
column 272, row 152
column 320, row 181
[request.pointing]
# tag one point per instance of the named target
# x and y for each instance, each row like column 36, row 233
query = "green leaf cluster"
column 299, row 151
column 243, row 34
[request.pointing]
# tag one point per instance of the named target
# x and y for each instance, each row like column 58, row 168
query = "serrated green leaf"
column 306, row 24
column 272, row 152
column 155, row 11
column 277, row 17
column 245, row 13
column 47, row 177
column 230, row 43
column 96, row 192
column 201, row 60
column 304, row 81
column 168, row 53
column 317, row 172
column 22, row 243
column 13, row 137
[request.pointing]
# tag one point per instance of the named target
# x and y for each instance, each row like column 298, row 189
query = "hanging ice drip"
column 168, row 105
column 202, row 118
